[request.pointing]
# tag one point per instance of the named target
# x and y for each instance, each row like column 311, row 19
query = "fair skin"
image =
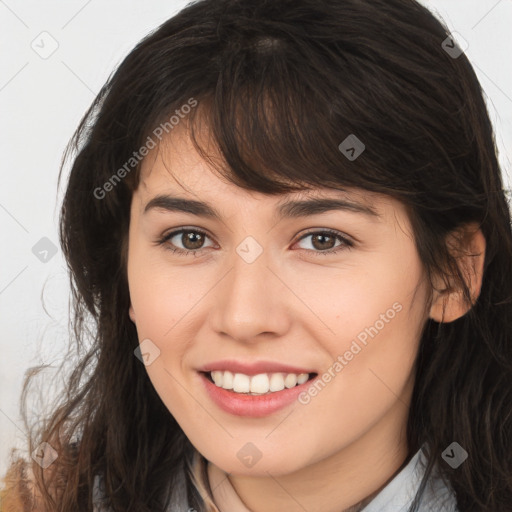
column 294, row 305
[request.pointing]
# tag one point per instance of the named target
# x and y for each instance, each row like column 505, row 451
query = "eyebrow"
column 288, row 209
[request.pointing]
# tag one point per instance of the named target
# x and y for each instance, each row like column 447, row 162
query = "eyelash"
column 346, row 243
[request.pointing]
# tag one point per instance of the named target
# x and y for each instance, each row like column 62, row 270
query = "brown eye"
column 324, row 242
column 190, row 240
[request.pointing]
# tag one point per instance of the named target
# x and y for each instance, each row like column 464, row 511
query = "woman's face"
column 264, row 286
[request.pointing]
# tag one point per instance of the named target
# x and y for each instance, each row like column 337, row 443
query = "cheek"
column 375, row 320
column 377, row 294
column 161, row 303
column 157, row 297
column 159, row 294
column 158, row 302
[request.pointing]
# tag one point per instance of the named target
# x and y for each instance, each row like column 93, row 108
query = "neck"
column 347, row 480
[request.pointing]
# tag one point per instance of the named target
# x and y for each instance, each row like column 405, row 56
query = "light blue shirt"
column 399, row 493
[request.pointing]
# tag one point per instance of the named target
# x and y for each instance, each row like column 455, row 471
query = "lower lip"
column 254, row 406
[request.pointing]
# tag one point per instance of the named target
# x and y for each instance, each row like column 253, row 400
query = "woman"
column 287, row 222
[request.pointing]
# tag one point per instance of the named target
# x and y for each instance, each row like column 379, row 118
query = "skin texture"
column 294, row 305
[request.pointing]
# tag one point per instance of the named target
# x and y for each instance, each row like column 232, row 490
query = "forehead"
column 175, row 168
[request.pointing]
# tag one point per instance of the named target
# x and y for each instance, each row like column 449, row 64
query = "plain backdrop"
column 55, row 57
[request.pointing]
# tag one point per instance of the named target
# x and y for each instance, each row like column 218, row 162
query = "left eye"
column 193, row 240
column 323, row 241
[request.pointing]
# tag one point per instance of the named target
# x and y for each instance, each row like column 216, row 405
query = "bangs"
column 290, row 103
column 275, row 129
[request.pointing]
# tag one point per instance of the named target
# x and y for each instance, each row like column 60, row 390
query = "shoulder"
column 401, row 491
column 18, row 489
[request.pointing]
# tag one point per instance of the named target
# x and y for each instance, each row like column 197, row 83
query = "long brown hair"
column 281, row 83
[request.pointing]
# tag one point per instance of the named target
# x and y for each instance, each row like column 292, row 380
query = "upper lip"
column 253, row 368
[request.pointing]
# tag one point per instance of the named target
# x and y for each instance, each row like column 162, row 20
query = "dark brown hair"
column 281, row 83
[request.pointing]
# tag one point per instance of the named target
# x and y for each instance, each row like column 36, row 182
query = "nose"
column 251, row 302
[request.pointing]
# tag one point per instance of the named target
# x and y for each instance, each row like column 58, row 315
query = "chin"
column 277, row 465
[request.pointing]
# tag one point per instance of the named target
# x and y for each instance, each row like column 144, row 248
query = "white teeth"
column 276, row 382
column 227, row 380
column 303, row 377
column 241, row 383
column 217, row 378
column 290, row 380
column 257, row 384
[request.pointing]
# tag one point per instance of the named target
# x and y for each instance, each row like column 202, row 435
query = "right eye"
column 190, row 238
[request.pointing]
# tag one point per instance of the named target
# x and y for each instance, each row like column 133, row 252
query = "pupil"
column 323, row 246
column 189, row 238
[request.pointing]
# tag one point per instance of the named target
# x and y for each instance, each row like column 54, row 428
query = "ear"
column 131, row 312
column 467, row 244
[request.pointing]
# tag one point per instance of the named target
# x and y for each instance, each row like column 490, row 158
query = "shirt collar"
column 396, row 496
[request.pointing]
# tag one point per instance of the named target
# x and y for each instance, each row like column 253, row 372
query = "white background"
column 41, row 103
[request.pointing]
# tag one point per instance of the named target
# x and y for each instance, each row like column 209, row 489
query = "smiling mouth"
column 261, row 384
